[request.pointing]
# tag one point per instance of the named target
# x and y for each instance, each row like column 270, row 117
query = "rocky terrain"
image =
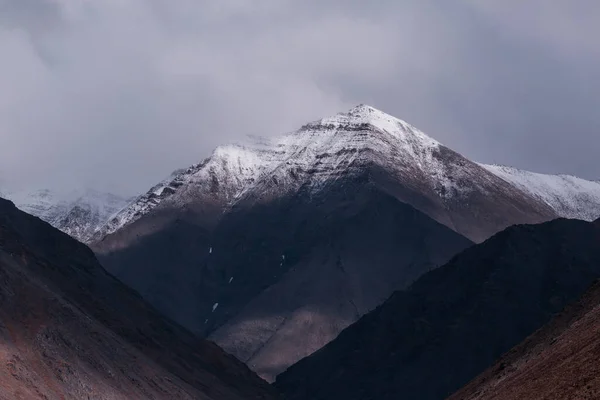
column 69, row 330
column 454, row 322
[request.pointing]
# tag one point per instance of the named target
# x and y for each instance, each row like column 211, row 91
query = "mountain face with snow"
column 397, row 157
column 568, row 196
column 271, row 248
column 79, row 214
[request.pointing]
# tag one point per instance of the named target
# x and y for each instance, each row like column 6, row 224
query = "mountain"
column 217, row 242
column 452, row 323
column 78, row 213
column 399, row 158
column 69, row 330
column 273, row 247
column 271, row 284
column 568, row 196
column 341, row 257
column 560, row 361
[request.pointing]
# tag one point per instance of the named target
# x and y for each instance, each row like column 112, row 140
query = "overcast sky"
column 116, row 94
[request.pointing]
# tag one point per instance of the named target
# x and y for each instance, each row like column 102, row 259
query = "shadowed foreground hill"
column 558, row 362
column 68, row 330
column 454, row 322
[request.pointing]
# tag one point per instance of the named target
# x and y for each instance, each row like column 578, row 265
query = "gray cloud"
column 116, row 94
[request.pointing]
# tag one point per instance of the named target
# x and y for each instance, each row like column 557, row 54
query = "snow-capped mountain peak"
column 365, row 114
column 316, row 154
column 362, row 119
column 320, row 153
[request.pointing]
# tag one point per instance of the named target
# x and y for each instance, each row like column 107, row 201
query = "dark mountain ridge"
column 452, row 323
column 559, row 361
column 69, row 330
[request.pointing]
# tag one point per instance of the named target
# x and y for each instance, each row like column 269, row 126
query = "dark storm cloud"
column 118, row 93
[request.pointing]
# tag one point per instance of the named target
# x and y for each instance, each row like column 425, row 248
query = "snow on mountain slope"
column 220, row 179
column 569, row 196
column 324, row 150
column 42, row 203
column 78, row 213
column 316, row 154
column 416, row 168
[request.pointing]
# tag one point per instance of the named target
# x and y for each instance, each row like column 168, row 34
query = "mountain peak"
column 362, row 117
column 364, row 108
column 363, row 113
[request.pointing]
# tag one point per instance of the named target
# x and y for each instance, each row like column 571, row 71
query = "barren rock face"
column 68, row 330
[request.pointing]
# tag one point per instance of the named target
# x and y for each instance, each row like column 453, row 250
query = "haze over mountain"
column 69, row 330
column 78, row 213
column 226, row 247
column 452, row 323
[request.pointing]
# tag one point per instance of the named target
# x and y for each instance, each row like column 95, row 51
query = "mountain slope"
column 79, row 214
column 426, row 342
column 336, row 257
column 560, row 361
column 569, row 196
column 342, row 260
column 69, row 330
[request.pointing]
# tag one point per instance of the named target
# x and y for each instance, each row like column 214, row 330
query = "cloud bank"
column 116, row 94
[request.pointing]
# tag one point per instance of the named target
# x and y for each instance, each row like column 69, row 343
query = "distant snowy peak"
column 41, row 203
column 78, row 213
column 569, row 196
